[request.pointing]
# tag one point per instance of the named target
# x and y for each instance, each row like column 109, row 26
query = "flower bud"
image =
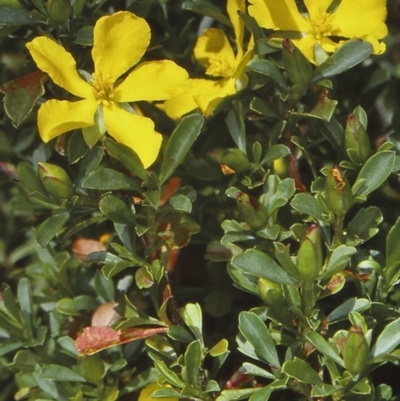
column 338, row 195
column 270, row 292
column 59, row 10
column 309, row 258
column 253, row 212
column 55, row 180
column 355, row 351
column 234, row 158
column 356, row 140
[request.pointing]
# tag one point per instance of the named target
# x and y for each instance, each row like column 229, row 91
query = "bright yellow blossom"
column 120, row 41
column 361, row 19
column 214, row 52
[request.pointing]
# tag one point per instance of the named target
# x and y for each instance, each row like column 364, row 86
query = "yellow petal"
column 120, row 40
column 136, row 132
column 177, row 106
column 359, row 18
column 233, row 6
column 278, row 15
column 154, row 80
column 211, row 93
column 214, row 52
column 307, row 46
column 55, row 117
column 53, row 59
column 329, row 45
column 315, row 7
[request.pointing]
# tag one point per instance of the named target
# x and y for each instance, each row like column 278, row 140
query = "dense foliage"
column 199, row 200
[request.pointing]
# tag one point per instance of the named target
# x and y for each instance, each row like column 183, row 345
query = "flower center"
column 219, row 67
column 321, row 25
column 102, row 87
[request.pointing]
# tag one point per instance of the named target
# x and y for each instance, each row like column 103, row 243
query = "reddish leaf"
column 21, row 95
column 95, row 339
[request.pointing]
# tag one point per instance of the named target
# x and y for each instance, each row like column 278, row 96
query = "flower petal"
column 214, row 52
column 315, row 7
column 307, row 46
column 233, row 6
column 280, row 15
column 120, row 40
column 53, row 59
column 55, row 117
column 211, row 93
column 136, row 132
column 153, row 80
column 359, row 18
column 177, row 106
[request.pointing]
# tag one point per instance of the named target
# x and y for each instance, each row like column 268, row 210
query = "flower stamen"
column 219, row 67
column 103, row 87
column 321, row 25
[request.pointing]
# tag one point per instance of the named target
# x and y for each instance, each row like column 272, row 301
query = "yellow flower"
column 120, row 41
column 214, row 52
column 361, row 19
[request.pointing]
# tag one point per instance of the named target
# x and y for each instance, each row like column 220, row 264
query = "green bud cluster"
column 55, row 180
column 309, row 258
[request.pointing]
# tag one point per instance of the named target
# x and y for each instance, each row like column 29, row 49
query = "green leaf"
column 306, row 204
column 168, row 374
column 21, row 94
column 66, row 306
column 262, row 394
column 275, row 152
column 84, row 36
column 375, row 171
column 301, row 371
column 11, row 16
column 50, row 227
column 107, row 179
column 364, row 225
column 297, row 67
column 323, row 346
column 180, row 143
column 338, row 260
column 388, row 340
column 254, row 370
column 269, row 69
column 343, row 310
column 347, row 56
column 324, row 390
column 264, row 108
column 116, row 210
column 234, row 395
column 60, row 373
column 181, row 202
column 126, row 156
column 193, row 359
column 257, row 334
column 237, row 129
column 90, row 162
column 192, row 316
column 207, row 8
column 29, row 178
column 334, row 133
column 77, row 147
column 26, row 303
column 392, row 269
column 259, row 264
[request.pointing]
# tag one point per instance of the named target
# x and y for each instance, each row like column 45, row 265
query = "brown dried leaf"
column 95, row 339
